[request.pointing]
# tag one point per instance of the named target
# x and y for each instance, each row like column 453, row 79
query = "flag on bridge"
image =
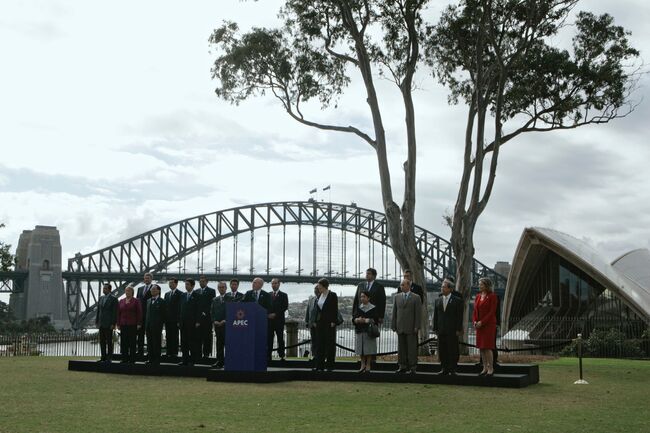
column 327, row 187
column 313, row 191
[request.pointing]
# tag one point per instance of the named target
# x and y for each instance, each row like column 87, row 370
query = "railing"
column 608, row 339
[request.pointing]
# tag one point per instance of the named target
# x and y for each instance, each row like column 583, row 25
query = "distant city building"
column 560, row 286
column 502, row 268
column 39, row 252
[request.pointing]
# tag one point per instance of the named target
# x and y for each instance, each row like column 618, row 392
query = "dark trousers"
column 205, row 338
column 154, row 338
column 326, row 346
column 128, row 342
column 141, row 333
column 171, row 334
column 448, row 351
column 275, row 328
column 190, row 342
column 495, row 352
column 106, row 343
column 220, row 333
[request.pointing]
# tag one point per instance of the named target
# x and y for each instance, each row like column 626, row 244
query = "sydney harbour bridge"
column 298, row 241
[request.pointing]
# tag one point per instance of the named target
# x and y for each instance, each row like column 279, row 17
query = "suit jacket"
column 485, row 310
column 238, row 297
column 156, row 313
column 447, row 322
column 264, row 299
column 330, row 311
column 144, row 294
column 218, row 309
column 207, row 294
column 279, row 305
column 190, row 313
column 377, row 297
column 415, row 288
column 173, row 303
column 407, row 313
column 311, row 313
column 106, row 311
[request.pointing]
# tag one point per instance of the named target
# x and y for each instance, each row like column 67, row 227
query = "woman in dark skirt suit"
column 485, row 322
column 327, row 307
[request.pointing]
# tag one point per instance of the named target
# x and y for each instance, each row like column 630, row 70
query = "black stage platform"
column 507, row 376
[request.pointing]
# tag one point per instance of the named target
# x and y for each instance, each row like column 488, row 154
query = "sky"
column 109, row 126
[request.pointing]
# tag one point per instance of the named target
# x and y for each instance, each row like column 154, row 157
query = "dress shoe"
column 183, row 363
column 413, row 372
column 452, row 373
column 443, row 373
column 401, row 371
column 483, row 373
column 330, row 369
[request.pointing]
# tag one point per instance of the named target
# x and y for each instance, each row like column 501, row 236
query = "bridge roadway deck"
column 507, row 376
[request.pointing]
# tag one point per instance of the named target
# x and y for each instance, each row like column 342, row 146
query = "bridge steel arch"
column 154, row 250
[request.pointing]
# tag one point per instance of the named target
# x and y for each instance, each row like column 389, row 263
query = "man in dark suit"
column 234, row 295
column 173, row 303
column 144, row 293
column 407, row 314
column 205, row 304
column 218, row 316
column 258, row 295
column 279, row 305
column 154, row 321
column 448, row 326
column 105, row 320
column 377, row 294
column 189, row 324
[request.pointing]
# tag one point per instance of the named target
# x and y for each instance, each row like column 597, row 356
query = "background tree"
column 7, row 259
column 502, row 58
column 321, row 44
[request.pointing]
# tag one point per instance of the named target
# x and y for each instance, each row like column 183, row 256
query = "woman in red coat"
column 485, row 322
column 129, row 321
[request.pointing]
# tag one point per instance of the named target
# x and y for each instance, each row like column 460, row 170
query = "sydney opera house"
column 559, row 286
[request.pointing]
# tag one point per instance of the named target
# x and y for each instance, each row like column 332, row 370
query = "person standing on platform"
column 328, row 309
column 485, row 323
column 377, row 294
column 105, row 320
column 279, row 306
column 415, row 288
column 190, row 324
column 365, row 345
column 407, row 313
column 311, row 316
column 448, row 326
column 155, row 318
column 173, row 303
column 256, row 294
column 218, row 316
column 234, row 295
column 207, row 294
column 144, row 293
column 129, row 322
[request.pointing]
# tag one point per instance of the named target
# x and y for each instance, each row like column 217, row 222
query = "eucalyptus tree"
column 313, row 56
column 505, row 60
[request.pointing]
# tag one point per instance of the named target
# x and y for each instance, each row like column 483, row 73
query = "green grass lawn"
column 39, row 394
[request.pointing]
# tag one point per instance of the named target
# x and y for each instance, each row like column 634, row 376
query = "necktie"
column 445, row 299
column 257, row 296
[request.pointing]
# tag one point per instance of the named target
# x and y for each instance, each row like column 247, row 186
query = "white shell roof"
column 628, row 276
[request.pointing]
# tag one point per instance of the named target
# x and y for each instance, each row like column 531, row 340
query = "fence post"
column 292, row 337
column 580, row 381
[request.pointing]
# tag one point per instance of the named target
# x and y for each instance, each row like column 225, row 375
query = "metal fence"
column 613, row 339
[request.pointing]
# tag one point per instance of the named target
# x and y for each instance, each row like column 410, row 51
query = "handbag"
column 373, row 330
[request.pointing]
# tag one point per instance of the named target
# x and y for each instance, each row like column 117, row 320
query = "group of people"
column 197, row 313
column 193, row 315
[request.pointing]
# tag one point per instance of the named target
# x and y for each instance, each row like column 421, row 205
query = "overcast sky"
column 109, row 126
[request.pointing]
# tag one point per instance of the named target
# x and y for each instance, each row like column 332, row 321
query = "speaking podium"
column 246, row 324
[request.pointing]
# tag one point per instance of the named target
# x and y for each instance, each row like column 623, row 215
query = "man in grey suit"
column 105, row 320
column 407, row 312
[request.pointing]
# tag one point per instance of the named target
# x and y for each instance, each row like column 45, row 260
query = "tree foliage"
column 503, row 59
column 7, row 260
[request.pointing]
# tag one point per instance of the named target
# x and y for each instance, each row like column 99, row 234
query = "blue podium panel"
column 246, row 324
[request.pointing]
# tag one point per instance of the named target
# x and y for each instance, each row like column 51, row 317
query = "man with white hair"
column 256, row 294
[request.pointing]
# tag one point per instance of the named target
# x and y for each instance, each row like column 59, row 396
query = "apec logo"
column 240, row 321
